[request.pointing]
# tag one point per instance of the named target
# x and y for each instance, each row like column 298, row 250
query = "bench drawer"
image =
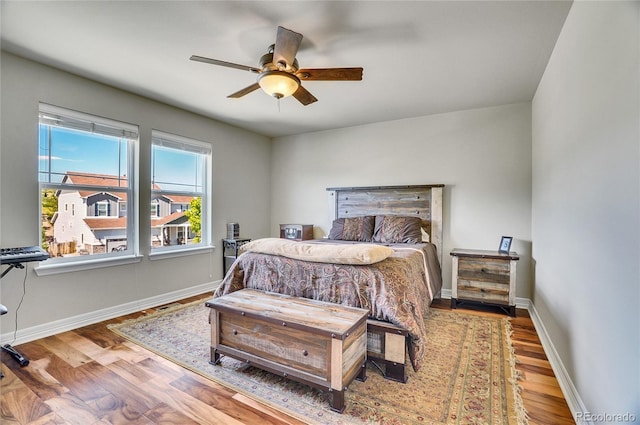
column 291, row 347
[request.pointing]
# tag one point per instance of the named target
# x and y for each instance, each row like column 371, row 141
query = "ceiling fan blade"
column 330, row 74
column 304, row 96
column 246, row 90
column 286, row 47
column 223, row 63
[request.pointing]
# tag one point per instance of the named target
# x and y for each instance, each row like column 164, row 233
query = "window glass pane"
column 180, row 191
column 83, row 173
column 84, row 155
column 177, row 170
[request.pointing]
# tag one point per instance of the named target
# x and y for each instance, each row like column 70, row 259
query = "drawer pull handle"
column 284, row 323
column 235, row 332
column 242, row 313
column 305, row 353
column 483, row 270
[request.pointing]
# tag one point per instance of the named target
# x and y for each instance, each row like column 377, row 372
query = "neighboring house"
column 95, row 220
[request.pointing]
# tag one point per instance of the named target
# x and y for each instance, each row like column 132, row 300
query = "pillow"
column 425, row 235
column 397, row 229
column 353, row 229
column 320, row 252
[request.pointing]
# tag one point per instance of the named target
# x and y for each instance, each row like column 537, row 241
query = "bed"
column 394, row 237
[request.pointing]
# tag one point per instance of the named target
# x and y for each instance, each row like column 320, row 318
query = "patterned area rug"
column 469, row 378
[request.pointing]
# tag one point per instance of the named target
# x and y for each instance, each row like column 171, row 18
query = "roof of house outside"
column 175, row 218
column 91, row 179
column 105, row 223
column 179, row 199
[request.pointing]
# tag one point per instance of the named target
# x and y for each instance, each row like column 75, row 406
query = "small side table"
column 296, row 232
column 230, row 248
column 485, row 277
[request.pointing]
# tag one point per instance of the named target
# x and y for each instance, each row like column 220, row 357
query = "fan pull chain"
column 278, row 105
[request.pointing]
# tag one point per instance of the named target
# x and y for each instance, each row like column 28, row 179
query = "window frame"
column 131, row 254
column 173, row 141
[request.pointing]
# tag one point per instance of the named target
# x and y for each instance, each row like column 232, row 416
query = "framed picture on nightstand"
column 505, row 244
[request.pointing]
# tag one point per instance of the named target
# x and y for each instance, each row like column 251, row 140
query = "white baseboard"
column 63, row 325
column 569, row 390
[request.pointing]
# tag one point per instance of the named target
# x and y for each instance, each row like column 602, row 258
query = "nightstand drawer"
column 482, row 269
column 483, row 291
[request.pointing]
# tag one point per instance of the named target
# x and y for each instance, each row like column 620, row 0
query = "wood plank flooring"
column 92, row 376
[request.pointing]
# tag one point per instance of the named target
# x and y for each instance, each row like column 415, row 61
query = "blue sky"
column 73, row 150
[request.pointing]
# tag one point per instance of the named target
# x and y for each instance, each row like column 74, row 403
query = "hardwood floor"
column 92, row 376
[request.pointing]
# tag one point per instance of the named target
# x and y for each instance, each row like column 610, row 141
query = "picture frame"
column 505, row 244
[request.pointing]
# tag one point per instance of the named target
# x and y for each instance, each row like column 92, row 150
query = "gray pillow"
column 353, row 229
column 397, row 229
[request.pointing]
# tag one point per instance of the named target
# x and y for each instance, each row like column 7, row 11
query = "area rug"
column 470, row 377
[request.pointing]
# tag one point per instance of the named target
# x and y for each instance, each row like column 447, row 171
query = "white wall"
column 483, row 156
column 241, row 187
column 586, row 204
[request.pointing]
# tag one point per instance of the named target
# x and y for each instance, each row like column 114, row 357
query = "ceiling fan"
column 279, row 74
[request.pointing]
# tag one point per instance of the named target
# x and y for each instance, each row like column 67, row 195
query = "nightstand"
column 485, row 277
column 230, row 251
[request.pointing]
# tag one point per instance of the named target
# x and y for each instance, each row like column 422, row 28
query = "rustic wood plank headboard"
column 424, row 201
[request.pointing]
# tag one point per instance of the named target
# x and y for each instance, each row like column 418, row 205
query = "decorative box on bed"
column 396, row 290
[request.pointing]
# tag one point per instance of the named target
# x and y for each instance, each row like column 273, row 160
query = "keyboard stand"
column 22, row 360
column 12, row 352
column 11, row 266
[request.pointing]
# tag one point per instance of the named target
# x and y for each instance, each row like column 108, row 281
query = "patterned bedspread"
column 398, row 289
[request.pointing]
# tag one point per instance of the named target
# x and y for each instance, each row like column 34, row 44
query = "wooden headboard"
column 424, row 201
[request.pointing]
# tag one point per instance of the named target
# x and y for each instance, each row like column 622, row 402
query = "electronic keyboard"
column 22, row 255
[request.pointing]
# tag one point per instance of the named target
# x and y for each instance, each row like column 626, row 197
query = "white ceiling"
column 419, row 57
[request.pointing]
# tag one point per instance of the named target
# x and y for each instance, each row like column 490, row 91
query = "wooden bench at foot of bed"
column 317, row 343
column 387, row 346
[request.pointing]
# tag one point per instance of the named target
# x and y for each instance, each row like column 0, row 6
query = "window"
column 89, row 161
column 180, row 192
column 102, row 209
column 155, row 209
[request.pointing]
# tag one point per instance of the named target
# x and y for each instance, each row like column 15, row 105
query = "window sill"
column 50, row 269
column 172, row 253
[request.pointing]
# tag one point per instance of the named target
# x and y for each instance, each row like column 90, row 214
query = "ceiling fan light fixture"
column 278, row 84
